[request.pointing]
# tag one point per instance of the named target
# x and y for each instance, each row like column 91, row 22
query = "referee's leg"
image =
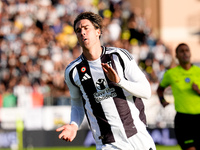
column 185, row 130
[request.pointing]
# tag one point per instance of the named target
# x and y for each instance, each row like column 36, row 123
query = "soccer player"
column 107, row 84
column 184, row 80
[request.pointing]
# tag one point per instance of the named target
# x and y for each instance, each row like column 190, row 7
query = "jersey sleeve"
column 165, row 81
column 133, row 79
column 77, row 110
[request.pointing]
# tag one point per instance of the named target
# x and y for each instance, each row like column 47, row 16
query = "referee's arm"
column 196, row 88
column 160, row 93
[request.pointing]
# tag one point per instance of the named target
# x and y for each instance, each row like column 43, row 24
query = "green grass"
column 159, row 147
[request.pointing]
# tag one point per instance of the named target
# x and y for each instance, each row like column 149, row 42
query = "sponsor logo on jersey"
column 101, row 84
column 85, row 77
column 104, row 91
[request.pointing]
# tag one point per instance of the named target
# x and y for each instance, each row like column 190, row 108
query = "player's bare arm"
column 68, row 133
column 160, row 92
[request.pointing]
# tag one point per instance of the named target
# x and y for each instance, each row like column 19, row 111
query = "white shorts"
column 139, row 141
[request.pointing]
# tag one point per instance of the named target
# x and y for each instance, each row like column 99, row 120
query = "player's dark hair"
column 181, row 44
column 95, row 19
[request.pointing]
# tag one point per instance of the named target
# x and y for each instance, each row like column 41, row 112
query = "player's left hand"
column 196, row 88
column 111, row 73
column 68, row 133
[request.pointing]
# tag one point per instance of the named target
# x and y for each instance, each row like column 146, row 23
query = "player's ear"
column 98, row 32
column 176, row 55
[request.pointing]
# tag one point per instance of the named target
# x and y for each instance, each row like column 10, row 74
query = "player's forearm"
column 77, row 112
column 160, row 93
column 139, row 89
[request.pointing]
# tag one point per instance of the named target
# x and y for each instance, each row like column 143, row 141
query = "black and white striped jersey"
column 115, row 112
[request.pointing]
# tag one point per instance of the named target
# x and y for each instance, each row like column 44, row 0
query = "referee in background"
column 184, row 80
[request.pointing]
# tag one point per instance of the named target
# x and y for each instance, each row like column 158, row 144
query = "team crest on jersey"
column 187, row 80
column 83, row 69
column 109, row 63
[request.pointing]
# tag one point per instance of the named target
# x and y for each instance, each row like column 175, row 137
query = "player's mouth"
column 84, row 39
column 186, row 57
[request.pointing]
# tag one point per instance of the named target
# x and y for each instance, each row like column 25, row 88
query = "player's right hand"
column 68, row 133
column 110, row 72
column 165, row 103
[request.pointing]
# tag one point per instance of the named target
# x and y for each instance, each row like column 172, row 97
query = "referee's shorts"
column 187, row 130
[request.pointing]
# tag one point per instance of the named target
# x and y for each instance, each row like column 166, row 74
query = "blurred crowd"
column 37, row 42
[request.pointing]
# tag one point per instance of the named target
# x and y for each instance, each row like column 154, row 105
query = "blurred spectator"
column 2, row 91
column 9, row 99
column 23, row 92
column 37, row 96
column 37, row 42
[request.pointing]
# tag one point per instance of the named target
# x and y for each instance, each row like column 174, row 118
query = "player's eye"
column 78, row 30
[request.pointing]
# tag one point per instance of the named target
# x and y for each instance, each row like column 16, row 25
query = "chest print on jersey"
column 187, row 80
column 103, row 92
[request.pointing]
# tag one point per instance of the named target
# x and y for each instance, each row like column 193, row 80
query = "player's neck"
column 186, row 66
column 93, row 54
